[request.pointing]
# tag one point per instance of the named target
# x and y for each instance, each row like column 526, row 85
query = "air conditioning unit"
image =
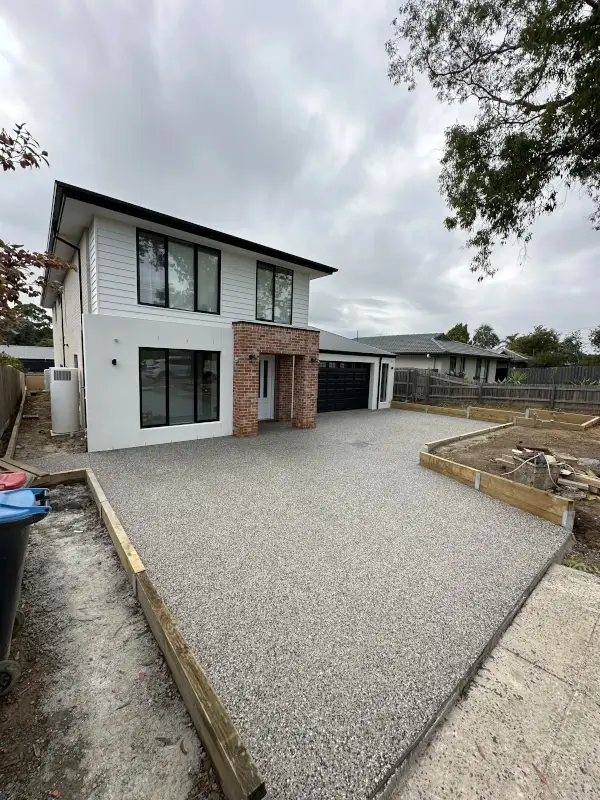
column 64, row 399
column 47, row 380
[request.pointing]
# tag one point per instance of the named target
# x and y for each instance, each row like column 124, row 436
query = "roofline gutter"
column 65, row 190
column 353, row 353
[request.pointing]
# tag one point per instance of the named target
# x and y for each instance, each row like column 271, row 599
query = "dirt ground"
column 480, row 453
column 95, row 715
column 34, row 434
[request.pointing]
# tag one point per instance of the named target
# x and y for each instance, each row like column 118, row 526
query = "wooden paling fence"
column 425, row 386
column 12, row 385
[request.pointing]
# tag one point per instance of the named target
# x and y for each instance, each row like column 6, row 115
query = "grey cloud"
column 275, row 121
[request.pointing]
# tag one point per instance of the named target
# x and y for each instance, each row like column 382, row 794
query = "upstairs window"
column 274, row 293
column 176, row 274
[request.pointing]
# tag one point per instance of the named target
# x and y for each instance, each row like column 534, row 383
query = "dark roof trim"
column 363, row 355
column 64, row 190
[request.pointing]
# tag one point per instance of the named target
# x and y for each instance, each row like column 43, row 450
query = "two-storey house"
column 183, row 332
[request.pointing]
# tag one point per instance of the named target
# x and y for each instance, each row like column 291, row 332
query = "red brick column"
column 305, row 392
column 251, row 338
column 245, row 385
column 283, row 388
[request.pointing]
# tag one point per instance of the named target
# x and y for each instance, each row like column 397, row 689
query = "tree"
column 595, row 338
column 459, row 333
column 571, row 347
column 29, row 325
column 485, row 336
column 532, row 67
column 546, row 348
column 21, row 271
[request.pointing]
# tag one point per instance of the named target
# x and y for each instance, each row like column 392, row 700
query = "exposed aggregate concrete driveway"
column 334, row 590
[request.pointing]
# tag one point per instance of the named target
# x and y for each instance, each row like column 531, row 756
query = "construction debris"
column 542, row 469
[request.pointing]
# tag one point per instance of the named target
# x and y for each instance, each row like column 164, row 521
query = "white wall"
column 373, row 375
column 113, row 258
column 418, row 362
column 113, row 398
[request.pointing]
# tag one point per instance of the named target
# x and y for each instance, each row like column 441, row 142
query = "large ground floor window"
column 178, row 387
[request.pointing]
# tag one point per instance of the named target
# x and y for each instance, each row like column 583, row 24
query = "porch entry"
column 266, row 388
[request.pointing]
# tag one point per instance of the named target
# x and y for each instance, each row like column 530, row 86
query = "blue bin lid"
column 20, row 504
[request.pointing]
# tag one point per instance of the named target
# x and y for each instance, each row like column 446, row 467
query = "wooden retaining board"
column 551, row 507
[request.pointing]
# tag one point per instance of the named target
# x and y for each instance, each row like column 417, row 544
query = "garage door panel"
column 343, row 386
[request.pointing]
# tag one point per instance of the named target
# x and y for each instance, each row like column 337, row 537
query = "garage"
column 352, row 375
column 343, row 385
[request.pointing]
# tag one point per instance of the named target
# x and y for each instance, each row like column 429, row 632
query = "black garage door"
column 343, row 386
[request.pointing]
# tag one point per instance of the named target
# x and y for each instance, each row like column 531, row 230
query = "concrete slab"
column 335, row 591
column 574, row 771
column 521, row 731
column 554, row 629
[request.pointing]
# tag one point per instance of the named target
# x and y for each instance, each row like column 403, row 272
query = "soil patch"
column 96, row 714
column 35, row 440
column 481, row 452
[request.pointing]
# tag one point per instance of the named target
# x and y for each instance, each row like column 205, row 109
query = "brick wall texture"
column 253, row 339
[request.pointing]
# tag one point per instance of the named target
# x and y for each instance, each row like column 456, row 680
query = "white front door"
column 266, row 388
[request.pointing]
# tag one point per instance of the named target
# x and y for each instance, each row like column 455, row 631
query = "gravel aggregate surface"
column 334, row 591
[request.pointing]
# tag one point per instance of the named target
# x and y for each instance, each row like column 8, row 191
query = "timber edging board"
column 530, row 418
column 429, row 447
column 12, row 442
column 238, row 774
column 551, row 507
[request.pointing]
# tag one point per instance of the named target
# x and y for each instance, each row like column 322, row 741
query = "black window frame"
column 165, row 352
column 274, row 269
column 197, row 248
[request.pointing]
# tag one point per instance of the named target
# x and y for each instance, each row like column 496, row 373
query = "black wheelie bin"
column 19, row 508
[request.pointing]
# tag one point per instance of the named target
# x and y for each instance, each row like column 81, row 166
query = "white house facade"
column 435, row 351
column 181, row 332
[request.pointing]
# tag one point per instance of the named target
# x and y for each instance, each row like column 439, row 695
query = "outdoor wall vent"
column 62, row 375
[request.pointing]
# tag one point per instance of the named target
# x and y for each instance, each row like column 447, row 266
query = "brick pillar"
column 245, row 384
column 283, row 388
column 305, row 393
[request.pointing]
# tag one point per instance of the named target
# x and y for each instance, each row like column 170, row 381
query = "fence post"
column 427, row 386
column 480, row 394
column 553, row 396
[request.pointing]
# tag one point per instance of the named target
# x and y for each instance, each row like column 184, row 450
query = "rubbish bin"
column 19, row 508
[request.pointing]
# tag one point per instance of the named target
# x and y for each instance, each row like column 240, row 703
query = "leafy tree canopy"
column 595, row 338
column 459, row 333
column 533, row 68
column 21, row 271
column 28, row 325
column 485, row 336
column 546, row 348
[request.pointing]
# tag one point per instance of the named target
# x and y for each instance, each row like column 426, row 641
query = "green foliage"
column 459, row 333
column 595, row 338
column 532, row 68
column 485, row 336
column 516, row 377
column 584, row 382
column 11, row 361
column 571, row 347
column 27, row 324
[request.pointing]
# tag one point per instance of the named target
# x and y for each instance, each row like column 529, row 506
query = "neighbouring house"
column 182, row 332
column 507, row 361
column 34, row 359
column 437, row 352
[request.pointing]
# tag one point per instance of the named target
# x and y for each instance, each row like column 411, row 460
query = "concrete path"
column 335, row 591
column 529, row 726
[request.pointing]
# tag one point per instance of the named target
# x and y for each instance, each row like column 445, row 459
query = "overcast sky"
column 274, row 121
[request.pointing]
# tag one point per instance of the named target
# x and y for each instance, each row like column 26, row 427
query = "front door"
column 266, row 388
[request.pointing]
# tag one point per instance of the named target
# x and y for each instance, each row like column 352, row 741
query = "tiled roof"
column 341, row 344
column 421, row 343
